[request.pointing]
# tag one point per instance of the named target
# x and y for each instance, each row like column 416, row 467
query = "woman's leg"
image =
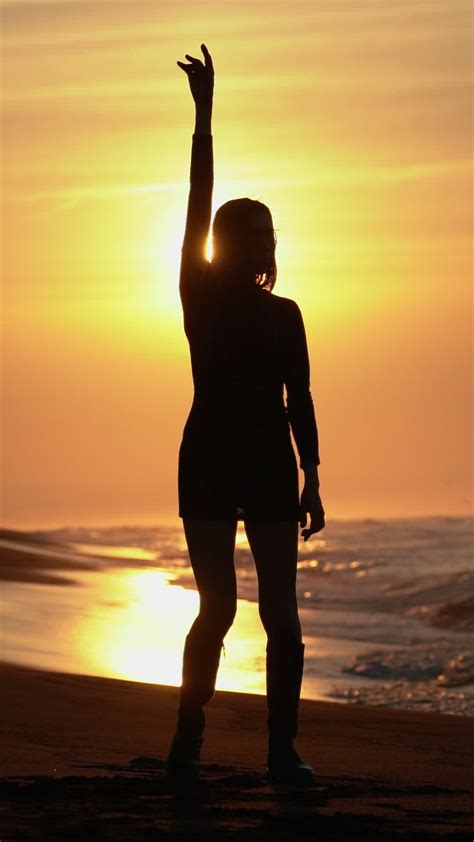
column 274, row 547
column 211, row 547
column 275, row 550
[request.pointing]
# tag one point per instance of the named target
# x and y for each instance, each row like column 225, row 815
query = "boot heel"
column 288, row 768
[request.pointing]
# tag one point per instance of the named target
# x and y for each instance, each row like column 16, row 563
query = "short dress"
column 247, row 347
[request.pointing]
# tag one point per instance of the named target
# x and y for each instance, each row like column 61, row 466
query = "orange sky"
column 351, row 120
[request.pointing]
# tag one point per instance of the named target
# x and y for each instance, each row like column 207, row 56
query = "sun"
column 161, row 253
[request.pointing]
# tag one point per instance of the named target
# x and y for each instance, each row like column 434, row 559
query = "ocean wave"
column 440, row 661
column 455, row 615
column 421, row 696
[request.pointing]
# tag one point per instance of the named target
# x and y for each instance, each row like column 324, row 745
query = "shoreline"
column 353, row 669
column 71, row 737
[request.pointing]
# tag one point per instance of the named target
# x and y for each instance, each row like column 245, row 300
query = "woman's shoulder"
column 281, row 304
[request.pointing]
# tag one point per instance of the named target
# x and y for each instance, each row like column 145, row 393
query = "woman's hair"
column 234, row 241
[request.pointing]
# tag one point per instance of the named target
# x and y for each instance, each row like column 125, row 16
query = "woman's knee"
column 281, row 623
column 217, row 613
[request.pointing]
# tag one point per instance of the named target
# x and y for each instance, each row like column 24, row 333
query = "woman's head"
column 244, row 243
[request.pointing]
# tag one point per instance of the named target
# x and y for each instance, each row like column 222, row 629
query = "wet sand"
column 83, row 758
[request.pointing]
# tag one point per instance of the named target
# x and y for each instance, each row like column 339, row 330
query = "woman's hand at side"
column 200, row 77
column 311, row 504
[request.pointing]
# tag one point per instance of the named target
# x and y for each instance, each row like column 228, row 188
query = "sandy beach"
column 84, row 758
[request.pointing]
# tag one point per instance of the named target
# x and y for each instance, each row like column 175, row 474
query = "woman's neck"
column 236, row 279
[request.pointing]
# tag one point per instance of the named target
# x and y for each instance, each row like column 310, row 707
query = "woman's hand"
column 200, row 77
column 311, row 504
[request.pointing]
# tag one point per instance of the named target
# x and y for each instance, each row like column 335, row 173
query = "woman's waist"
column 238, row 412
column 237, row 418
column 221, row 401
column 244, row 443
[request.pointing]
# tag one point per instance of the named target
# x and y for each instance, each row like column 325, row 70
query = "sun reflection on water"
column 137, row 628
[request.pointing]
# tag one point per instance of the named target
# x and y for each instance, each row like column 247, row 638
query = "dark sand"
column 83, row 758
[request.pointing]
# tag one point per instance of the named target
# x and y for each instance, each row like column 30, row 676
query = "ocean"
column 386, row 607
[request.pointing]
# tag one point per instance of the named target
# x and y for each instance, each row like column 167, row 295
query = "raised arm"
column 198, row 217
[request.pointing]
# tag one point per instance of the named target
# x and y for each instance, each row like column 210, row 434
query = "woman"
column 236, row 459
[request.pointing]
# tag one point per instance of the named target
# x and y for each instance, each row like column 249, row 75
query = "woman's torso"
column 237, row 351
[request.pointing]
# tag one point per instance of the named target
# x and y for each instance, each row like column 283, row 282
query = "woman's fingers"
column 195, row 68
column 207, row 57
column 303, row 521
column 317, row 523
column 196, row 61
column 312, row 527
column 200, row 76
column 188, row 68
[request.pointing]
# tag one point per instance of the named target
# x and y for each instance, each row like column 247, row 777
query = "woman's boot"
column 285, row 661
column 200, row 666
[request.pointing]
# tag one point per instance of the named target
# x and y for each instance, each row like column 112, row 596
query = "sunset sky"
column 351, row 120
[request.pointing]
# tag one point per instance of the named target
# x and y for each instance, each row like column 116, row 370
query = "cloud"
column 120, row 88
column 396, row 173
column 70, row 197
column 95, row 192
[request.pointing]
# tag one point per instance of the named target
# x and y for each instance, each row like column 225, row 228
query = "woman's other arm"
column 198, row 217
column 302, row 419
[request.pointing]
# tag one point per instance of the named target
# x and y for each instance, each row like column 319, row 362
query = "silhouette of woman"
column 236, row 460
